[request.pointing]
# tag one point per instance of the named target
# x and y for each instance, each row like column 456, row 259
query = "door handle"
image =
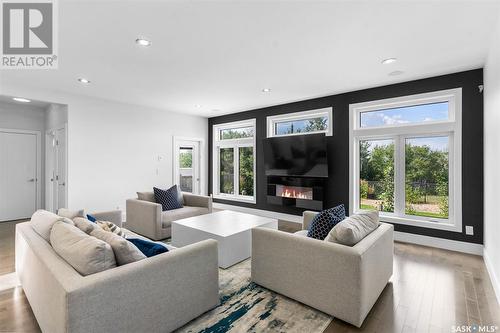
column 62, row 184
column 31, row 180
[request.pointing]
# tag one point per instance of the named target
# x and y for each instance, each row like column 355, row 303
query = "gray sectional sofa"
column 157, row 294
column 340, row 280
column 145, row 216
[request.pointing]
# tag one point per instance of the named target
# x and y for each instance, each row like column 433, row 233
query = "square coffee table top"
column 224, row 223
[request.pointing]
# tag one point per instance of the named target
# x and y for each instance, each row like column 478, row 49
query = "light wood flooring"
column 431, row 291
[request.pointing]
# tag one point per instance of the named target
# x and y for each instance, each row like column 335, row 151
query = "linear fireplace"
column 300, row 192
column 297, row 192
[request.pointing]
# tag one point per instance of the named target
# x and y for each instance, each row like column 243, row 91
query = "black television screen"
column 296, row 155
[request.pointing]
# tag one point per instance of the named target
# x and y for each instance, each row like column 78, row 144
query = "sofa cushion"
column 324, row 221
column 148, row 248
column 302, row 233
column 111, row 227
column 354, row 228
column 84, row 225
column 146, row 196
column 168, row 199
column 86, row 254
column 125, row 252
column 181, row 213
column 70, row 214
column 131, row 234
column 42, row 222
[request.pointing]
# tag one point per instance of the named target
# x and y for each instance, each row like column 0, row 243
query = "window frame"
column 236, row 144
column 271, row 121
column 399, row 133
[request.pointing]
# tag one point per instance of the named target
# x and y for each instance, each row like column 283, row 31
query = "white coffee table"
column 232, row 230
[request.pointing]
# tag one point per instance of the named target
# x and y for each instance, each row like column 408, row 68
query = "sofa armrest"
column 198, row 200
column 156, row 294
column 307, row 217
column 144, row 217
column 114, row 216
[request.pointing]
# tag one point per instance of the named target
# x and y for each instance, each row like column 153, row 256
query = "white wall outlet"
column 469, row 230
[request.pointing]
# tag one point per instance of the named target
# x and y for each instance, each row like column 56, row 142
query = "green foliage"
column 363, row 189
column 246, row 171
column 185, row 159
column 426, row 172
column 316, row 124
column 236, row 133
column 226, row 182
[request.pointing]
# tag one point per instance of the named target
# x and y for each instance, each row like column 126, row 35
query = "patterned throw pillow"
column 111, row 227
column 324, row 221
column 168, row 199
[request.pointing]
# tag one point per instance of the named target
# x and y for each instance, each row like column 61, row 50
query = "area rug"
column 247, row 307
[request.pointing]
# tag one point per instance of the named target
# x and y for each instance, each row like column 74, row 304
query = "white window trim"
column 451, row 127
column 325, row 112
column 235, row 144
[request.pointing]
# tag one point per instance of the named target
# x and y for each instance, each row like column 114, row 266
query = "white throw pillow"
column 70, row 214
column 86, row 254
column 125, row 251
column 84, row 225
column 42, row 222
column 354, row 228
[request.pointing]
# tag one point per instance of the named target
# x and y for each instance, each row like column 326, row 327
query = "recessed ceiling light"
column 22, row 100
column 396, row 73
column 83, row 80
column 389, row 61
column 143, row 42
column 197, row 106
column 266, row 90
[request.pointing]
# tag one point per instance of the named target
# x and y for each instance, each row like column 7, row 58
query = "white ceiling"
column 220, row 55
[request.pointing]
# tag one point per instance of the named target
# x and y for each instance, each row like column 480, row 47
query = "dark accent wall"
column 337, row 185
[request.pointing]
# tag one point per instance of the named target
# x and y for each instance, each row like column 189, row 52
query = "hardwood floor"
column 431, row 291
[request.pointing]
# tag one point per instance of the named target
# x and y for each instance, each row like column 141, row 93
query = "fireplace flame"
column 293, row 192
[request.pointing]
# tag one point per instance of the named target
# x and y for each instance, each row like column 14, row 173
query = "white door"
column 61, row 167
column 18, row 175
column 187, row 165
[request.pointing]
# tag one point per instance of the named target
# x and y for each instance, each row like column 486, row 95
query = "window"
column 234, row 161
column 186, row 169
column 406, row 159
column 307, row 122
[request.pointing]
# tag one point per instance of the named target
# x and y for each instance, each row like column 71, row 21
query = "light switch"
column 469, row 230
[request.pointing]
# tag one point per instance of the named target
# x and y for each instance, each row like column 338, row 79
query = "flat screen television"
column 296, row 155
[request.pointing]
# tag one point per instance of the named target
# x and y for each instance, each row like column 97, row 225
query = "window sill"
column 250, row 200
column 444, row 225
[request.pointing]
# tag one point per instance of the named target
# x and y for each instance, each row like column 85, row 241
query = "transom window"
column 406, row 159
column 234, row 161
column 306, row 122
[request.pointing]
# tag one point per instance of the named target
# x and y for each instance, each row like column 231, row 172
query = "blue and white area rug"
column 247, row 307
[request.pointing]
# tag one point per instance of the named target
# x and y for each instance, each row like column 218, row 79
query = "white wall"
column 113, row 148
column 57, row 116
column 492, row 162
column 26, row 117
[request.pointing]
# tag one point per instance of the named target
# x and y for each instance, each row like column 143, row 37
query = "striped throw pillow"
column 111, row 227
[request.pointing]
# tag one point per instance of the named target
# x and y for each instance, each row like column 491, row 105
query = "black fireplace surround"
column 300, row 192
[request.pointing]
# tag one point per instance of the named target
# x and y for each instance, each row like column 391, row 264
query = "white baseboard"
column 440, row 243
column 495, row 281
column 260, row 212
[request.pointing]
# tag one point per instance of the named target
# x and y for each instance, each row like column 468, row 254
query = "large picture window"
column 406, row 159
column 234, row 161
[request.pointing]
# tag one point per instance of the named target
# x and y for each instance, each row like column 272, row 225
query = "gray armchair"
column 340, row 280
column 145, row 216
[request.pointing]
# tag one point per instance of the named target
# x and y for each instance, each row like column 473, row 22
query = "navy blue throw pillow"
column 149, row 249
column 324, row 221
column 91, row 218
column 168, row 199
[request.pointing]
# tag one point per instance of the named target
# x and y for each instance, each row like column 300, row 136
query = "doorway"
column 20, row 173
column 187, row 164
